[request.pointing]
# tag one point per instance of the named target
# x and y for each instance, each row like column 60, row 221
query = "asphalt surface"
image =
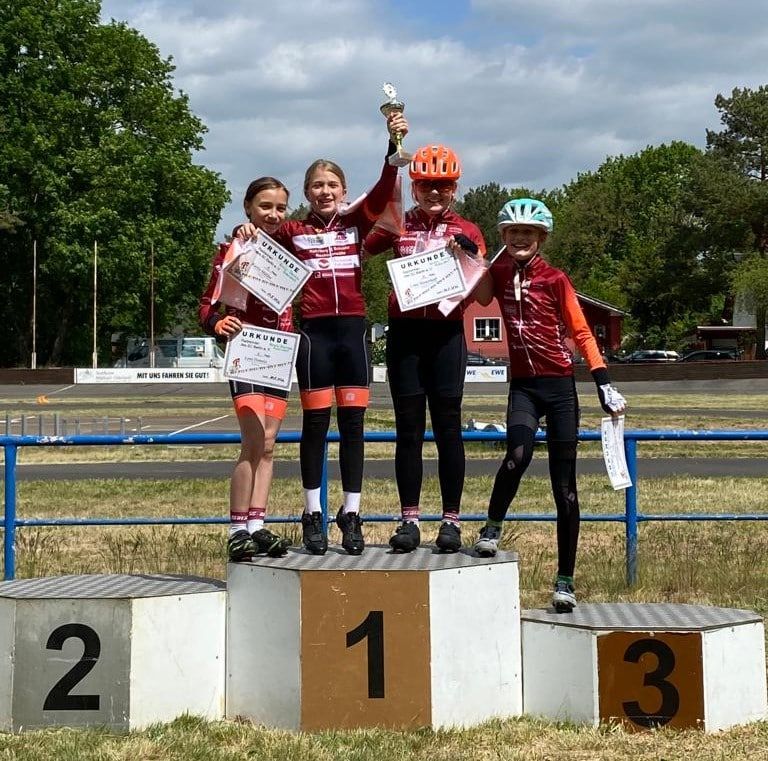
column 647, row 468
column 20, row 400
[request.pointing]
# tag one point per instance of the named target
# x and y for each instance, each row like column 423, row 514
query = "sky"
column 527, row 93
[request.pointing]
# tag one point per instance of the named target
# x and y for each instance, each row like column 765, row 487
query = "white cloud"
column 526, row 93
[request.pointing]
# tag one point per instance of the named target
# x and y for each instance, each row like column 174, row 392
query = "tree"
column 96, row 147
column 742, row 147
column 625, row 233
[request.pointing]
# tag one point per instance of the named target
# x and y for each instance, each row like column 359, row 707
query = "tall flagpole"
column 33, row 362
column 95, row 279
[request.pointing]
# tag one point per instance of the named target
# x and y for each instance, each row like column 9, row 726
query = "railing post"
column 630, row 511
column 9, row 517
column 324, row 488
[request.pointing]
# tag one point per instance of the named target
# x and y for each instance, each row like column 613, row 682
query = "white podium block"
column 646, row 665
column 378, row 640
column 110, row 650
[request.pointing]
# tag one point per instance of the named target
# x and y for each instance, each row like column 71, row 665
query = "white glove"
column 610, row 399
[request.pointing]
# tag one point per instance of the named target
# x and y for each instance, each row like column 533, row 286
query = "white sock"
column 312, row 501
column 351, row 501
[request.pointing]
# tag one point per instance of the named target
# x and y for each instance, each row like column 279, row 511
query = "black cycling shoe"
column 449, row 537
column 312, row 534
column 240, row 547
column 406, row 538
column 273, row 545
column 351, row 532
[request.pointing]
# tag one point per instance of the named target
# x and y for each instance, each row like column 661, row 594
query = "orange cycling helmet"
column 435, row 162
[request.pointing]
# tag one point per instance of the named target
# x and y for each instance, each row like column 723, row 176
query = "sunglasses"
column 441, row 186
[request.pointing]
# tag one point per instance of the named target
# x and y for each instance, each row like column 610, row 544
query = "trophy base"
column 400, row 158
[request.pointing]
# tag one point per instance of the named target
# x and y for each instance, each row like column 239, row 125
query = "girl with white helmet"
column 426, row 351
column 539, row 308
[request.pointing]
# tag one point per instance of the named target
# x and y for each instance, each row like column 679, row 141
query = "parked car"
column 702, row 355
column 184, row 351
column 475, row 358
column 652, row 355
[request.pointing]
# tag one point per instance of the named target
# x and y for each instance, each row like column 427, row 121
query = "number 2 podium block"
column 646, row 665
column 377, row 640
column 110, row 650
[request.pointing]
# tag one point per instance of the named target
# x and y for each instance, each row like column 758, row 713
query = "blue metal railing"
column 631, row 517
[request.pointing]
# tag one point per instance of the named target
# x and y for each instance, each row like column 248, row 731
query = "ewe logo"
column 323, row 264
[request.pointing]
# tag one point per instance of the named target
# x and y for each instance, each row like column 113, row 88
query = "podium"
column 116, row 651
column 646, row 665
column 378, row 640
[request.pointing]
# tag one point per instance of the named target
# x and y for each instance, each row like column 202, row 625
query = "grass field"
column 724, row 564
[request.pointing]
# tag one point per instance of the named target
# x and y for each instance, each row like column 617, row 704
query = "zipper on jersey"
column 520, row 277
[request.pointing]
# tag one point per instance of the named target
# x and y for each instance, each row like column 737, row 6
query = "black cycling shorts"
column 333, row 353
column 555, row 398
column 426, row 357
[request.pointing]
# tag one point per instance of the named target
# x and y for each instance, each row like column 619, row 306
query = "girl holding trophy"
column 426, row 350
column 333, row 358
column 259, row 410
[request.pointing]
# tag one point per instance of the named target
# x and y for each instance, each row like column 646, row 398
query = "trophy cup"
column 399, row 157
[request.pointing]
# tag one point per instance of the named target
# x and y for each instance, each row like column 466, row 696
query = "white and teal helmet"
column 525, row 211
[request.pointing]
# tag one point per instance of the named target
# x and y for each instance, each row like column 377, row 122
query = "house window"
column 488, row 329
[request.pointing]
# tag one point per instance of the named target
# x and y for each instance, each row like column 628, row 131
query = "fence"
column 631, row 517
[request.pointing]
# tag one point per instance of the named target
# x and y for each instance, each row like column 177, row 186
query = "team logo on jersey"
column 440, row 229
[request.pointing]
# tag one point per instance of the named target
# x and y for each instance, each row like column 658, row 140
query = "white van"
column 185, row 351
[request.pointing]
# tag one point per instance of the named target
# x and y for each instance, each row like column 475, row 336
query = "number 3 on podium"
column 651, row 679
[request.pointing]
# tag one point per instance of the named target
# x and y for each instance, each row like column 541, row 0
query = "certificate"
column 261, row 356
column 612, row 437
column 272, row 274
column 426, row 278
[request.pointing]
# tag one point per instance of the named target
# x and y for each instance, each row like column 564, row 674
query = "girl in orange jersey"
column 539, row 305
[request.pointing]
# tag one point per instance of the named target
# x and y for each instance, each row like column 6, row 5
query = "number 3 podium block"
column 646, row 665
column 378, row 640
column 110, row 650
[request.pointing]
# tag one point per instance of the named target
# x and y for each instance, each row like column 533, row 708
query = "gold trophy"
column 399, row 157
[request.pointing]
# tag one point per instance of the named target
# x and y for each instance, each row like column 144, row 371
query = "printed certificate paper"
column 272, row 274
column 261, row 356
column 612, row 437
column 426, row 278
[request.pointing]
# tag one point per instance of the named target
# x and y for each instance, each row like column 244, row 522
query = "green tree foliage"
column 376, row 287
column 741, row 149
column 625, row 234
column 96, row 146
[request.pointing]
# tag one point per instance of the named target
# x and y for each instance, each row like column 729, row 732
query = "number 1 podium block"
column 378, row 640
column 646, row 665
column 115, row 651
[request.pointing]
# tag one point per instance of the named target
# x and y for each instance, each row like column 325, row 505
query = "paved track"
column 102, row 398
column 647, row 468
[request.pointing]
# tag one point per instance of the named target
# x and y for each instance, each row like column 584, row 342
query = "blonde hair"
column 327, row 165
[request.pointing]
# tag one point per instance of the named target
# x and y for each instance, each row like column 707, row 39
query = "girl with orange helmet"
column 426, row 351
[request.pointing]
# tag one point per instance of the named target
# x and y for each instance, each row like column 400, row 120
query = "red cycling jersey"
column 255, row 312
column 422, row 233
column 539, row 307
column 332, row 251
